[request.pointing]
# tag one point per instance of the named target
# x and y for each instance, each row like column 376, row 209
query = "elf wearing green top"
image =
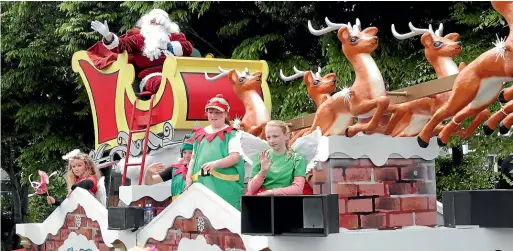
column 277, row 171
column 216, row 161
column 177, row 172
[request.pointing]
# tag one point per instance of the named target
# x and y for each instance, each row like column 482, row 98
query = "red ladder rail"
column 146, row 138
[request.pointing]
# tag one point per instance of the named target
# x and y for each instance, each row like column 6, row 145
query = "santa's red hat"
column 219, row 103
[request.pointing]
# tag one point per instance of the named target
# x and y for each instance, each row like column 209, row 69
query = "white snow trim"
column 439, row 208
column 177, row 48
column 218, row 211
column 144, row 81
column 377, row 147
column 81, row 241
column 158, row 192
column 38, row 232
column 114, row 44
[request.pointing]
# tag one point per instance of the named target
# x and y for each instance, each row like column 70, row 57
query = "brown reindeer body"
column 409, row 118
column 245, row 86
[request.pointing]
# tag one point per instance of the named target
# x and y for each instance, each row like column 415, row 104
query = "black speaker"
column 484, row 208
column 301, row 215
column 125, row 218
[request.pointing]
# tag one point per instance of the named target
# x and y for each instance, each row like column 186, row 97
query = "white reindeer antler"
column 331, row 27
column 220, row 75
column 416, row 31
column 292, row 77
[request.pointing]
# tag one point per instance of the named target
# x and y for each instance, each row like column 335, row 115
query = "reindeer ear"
column 308, row 78
column 343, row 34
column 331, row 76
column 371, row 31
column 427, row 39
column 232, row 75
column 452, row 36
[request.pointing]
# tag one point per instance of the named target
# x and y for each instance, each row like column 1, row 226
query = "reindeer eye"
column 334, row 80
column 317, row 82
column 438, row 44
column 353, row 39
column 242, row 79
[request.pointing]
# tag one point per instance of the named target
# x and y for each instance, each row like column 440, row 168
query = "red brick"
column 87, row 232
column 337, row 175
column 358, row 174
column 387, row 204
column 342, row 163
column 55, row 237
column 58, row 243
column 163, row 247
column 348, row 221
column 319, row 175
column 177, row 224
column 414, row 173
column 70, row 220
column 401, row 162
column 65, row 233
column 371, row 189
column 359, row 205
column 400, row 220
column 171, row 238
column 233, row 241
column 426, row 218
column 346, row 190
column 213, row 239
column 432, row 202
column 373, row 221
column 190, row 225
column 341, row 206
column 424, row 188
column 49, row 245
column 386, row 174
column 399, row 188
column 365, row 163
column 414, row 203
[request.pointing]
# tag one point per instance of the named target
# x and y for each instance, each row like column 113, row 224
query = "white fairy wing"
column 251, row 146
column 307, row 145
column 101, row 193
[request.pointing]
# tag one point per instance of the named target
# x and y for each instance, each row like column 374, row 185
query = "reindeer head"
column 242, row 81
column 354, row 40
column 315, row 83
column 434, row 43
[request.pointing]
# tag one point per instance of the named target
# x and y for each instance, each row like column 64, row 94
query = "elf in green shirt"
column 177, row 172
column 216, row 161
column 279, row 170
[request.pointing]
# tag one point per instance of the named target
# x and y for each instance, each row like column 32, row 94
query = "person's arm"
column 258, row 177
column 86, row 184
column 130, row 43
column 179, row 45
column 161, row 177
column 234, row 152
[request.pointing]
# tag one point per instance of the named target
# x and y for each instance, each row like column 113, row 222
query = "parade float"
column 374, row 181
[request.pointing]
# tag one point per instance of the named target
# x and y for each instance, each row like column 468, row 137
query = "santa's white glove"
column 103, row 29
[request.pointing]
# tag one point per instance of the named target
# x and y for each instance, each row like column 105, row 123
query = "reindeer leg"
column 398, row 112
column 506, row 95
column 478, row 120
column 456, row 121
column 380, row 103
column 462, row 66
column 424, row 135
column 491, row 124
column 506, row 124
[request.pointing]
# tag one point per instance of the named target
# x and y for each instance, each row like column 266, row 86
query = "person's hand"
column 265, row 162
column 103, row 29
column 50, row 199
column 207, row 167
column 267, row 192
column 156, row 168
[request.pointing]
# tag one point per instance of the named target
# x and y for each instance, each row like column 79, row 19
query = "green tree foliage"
column 46, row 110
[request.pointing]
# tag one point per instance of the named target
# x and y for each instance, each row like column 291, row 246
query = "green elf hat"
column 187, row 142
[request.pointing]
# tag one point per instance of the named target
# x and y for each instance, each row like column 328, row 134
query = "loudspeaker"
column 484, row 208
column 301, row 215
column 125, row 218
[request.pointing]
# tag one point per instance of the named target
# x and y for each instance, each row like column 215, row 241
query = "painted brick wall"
column 193, row 227
column 398, row 194
column 156, row 206
column 84, row 226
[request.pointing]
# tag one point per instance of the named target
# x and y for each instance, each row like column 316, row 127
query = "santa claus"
column 154, row 37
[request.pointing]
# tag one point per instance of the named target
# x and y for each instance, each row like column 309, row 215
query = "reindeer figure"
column 409, row 118
column 245, row 86
column 476, row 87
column 319, row 89
column 367, row 97
column 504, row 117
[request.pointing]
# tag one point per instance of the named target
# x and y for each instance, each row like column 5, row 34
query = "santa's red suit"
column 150, row 72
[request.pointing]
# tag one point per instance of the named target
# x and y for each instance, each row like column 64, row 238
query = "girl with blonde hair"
column 81, row 172
column 278, row 170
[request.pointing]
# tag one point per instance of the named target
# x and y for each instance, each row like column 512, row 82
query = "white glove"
column 103, row 29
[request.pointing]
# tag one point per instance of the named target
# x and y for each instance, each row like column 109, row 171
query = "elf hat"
column 187, row 143
column 219, row 103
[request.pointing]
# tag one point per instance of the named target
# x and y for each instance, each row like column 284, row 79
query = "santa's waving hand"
column 103, row 29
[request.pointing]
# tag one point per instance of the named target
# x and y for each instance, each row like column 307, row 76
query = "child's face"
column 78, row 167
column 216, row 117
column 187, row 155
column 275, row 137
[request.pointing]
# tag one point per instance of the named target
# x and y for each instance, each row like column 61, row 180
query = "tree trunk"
column 19, row 201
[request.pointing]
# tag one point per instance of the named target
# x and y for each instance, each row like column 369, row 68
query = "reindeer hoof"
column 422, row 143
column 487, row 130
column 503, row 129
column 440, row 142
column 346, row 133
column 501, row 98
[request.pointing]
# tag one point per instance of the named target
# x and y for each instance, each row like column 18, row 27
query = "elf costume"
column 179, row 170
column 210, row 146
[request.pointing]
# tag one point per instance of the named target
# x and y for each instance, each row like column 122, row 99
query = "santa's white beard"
column 156, row 38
